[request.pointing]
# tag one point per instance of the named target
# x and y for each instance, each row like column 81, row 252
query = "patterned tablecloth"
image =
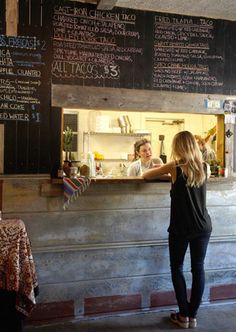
column 17, row 269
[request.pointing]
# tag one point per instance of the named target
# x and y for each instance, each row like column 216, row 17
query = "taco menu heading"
column 136, row 49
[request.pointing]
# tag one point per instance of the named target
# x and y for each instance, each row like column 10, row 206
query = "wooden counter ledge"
column 118, row 179
column 139, row 179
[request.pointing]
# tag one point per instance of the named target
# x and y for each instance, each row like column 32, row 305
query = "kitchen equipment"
column 162, row 149
column 127, row 124
column 122, row 125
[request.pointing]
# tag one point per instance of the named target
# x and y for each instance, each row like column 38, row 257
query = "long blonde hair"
column 185, row 151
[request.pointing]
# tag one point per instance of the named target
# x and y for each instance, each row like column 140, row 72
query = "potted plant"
column 67, row 142
column 214, row 166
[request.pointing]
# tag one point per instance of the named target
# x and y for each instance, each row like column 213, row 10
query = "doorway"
column 167, row 128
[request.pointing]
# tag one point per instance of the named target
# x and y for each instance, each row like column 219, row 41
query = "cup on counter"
column 73, row 172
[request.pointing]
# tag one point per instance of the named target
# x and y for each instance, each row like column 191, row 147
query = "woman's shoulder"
column 135, row 162
column 134, row 168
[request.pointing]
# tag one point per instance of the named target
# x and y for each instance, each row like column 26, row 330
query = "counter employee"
column 144, row 162
column 208, row 154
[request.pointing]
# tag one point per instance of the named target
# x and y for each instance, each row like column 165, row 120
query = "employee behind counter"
column 143, row 151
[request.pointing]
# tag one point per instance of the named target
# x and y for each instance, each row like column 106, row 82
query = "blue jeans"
column 177, row 249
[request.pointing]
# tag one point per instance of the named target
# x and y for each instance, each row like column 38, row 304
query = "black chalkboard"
column 21, row 78
column 2, row 17
column 29, row 124
column 188, row 54
column 138, row 49
column 25, row 97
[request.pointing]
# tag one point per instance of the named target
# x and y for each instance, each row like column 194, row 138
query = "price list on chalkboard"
column 186, row 57
column 143, row 50
column 100, row 48
column 21, row 73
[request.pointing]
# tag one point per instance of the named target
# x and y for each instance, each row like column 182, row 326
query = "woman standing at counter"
column 144, row 151
column 190, row 223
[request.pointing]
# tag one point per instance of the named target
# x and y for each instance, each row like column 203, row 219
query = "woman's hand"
column 157, row 165
column 157, row 172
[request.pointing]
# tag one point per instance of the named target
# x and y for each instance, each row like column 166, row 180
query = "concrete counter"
column 108, row 252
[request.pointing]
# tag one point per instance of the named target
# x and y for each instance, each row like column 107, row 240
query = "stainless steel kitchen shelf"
column 117, row 134
column 87, row 137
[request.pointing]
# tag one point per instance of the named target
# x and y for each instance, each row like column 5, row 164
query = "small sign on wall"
column 229, row 106
column 213, row 103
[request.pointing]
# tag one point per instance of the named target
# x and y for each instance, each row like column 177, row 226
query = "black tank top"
column 189, row 216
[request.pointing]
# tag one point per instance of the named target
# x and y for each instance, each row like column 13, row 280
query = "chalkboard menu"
column 100, row 48
column 25, row 104
column 22, row 75
column 187, row 54
column 137, row 49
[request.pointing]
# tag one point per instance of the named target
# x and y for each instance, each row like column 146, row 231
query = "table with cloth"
column 18, row 281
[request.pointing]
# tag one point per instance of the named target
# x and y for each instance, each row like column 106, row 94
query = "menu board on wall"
column 100, row 48
column 187, row 54
column 22, row 70
column 137, row 49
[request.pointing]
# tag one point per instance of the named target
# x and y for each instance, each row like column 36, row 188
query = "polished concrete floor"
column 211, row 318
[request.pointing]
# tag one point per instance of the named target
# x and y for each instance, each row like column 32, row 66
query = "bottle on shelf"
column 91, row 164
column 99, row 170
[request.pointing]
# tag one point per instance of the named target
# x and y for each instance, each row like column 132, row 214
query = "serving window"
column 101, row 132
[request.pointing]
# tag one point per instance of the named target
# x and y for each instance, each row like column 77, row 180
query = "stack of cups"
column 122, row 125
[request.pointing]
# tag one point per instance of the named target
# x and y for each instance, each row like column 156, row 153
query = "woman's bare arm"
column 156, row 173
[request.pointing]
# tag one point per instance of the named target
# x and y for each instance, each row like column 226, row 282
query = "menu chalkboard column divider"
column 11, row 17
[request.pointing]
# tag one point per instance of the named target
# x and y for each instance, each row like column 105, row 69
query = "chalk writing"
column 21, row 68
column 92, row 45
column 182, row 54
column 133, row 49
column 18, row 42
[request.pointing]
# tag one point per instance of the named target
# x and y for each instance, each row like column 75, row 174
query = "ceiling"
column 222, row 9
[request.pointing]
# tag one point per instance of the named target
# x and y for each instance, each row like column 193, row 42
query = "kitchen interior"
column 110, row 135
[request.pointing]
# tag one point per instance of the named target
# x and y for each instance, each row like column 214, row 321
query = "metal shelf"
column 93, row 133
column 112, row 159
column 87, row 136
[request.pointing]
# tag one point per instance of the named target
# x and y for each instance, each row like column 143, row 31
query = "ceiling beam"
column 106, row 4
column 94, row 2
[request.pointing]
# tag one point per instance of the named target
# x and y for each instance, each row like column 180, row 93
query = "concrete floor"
column 211, row 318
